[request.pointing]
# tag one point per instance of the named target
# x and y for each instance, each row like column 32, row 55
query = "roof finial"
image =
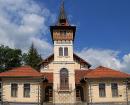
column 62, row 15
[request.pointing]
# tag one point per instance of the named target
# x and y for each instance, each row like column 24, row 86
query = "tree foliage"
column 32, row 57
column 9, row 58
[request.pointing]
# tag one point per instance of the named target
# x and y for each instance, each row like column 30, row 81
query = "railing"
column 66, row 87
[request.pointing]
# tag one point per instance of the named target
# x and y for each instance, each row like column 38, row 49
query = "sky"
column 103, row 28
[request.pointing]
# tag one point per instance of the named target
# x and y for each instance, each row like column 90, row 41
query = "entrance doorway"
column 79, row 93
column 48, row 94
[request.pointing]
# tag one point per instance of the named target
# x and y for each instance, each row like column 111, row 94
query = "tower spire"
column 62, row 19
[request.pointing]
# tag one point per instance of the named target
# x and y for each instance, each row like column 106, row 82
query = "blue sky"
column 103, row 28
column 100, row 23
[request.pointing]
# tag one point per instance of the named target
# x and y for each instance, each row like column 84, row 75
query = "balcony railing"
column 66, row 87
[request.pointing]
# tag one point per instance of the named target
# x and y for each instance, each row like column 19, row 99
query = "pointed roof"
column 62, row 19
column 23, row 71
column 62, row 14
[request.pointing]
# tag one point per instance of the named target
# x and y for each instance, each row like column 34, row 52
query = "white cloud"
column 24, row 21
column 106, row 57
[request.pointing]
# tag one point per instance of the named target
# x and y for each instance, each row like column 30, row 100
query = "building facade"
column 64, row 77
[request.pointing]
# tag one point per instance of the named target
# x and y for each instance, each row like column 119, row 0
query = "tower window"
column 60, row 51
column 65, row 51
column 62, row 32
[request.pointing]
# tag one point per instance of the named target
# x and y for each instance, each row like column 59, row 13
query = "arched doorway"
column 64, row 79
column 79, row 93
column 48, row 94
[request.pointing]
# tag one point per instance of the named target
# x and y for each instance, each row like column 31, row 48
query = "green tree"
column 9, row 58
column 32, row 57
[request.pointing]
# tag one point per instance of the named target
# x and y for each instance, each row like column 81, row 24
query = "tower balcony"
column 64, row 88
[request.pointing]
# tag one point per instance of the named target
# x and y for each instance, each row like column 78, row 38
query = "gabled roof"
column 81, row 60
column 27, row 71
column 51, row 57
column 23, row 71
column 99, row 73
column 104, row 72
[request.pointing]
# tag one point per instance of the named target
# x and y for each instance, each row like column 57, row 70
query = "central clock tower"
column 63, row 35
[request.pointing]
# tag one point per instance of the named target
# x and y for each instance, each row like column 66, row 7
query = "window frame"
column 66, row 51
column 16, row 91
column 115, row 90
column 24, row 94
column 128, row 86
column 64, row 78
column 102, row 91
column 61, row 51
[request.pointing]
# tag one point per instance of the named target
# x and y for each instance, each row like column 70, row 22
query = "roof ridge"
column 107, row 68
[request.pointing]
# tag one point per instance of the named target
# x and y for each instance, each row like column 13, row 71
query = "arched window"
column 60, row 51
column 64, row 80
column 66, row 51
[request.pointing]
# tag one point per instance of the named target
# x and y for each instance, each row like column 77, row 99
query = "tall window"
column 128, row 86
column 102, row 91
column 14, row 89
column 64, row 80
column 65, row 51
column 114, row 88
column 27, row 90
column 60, row 51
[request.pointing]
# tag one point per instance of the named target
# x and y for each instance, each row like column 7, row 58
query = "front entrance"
column 79, row 93
column 48, row 94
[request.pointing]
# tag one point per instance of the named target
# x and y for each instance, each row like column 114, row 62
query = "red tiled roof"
column 104, row 72
column 23, row 71
column 48, row 76
column 99, row 72
column 79, row 74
